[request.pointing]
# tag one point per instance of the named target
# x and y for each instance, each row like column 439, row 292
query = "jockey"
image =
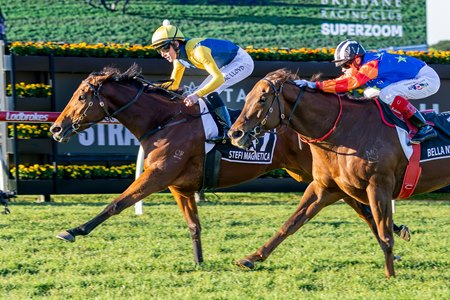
column 226, row 63
column 397, row 77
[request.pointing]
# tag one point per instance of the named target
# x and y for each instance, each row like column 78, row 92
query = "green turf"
column 150, row 256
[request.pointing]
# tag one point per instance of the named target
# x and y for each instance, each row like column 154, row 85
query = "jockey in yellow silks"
column 226, row 63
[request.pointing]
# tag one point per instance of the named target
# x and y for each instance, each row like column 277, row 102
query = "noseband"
column 107, row 116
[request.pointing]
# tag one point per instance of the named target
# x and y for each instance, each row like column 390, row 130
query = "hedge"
column 145, row 51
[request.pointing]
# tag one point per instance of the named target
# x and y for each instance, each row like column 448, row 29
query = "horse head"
column 88, row 106
column 264, row 108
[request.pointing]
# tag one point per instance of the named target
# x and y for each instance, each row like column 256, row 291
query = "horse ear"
column 316, row 77
column 135, row 69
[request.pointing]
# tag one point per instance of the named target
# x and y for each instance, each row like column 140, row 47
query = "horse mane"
column 129, row 76
column 114, row 74
column 281, row 75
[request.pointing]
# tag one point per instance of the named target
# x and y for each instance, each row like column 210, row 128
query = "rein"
column 332, row 129
column 108, row 116
column 277, row 93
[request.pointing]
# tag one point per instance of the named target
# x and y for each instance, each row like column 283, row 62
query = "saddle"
column 431, row 149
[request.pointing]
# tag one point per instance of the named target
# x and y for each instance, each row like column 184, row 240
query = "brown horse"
column 172, row 137
column 354, row 154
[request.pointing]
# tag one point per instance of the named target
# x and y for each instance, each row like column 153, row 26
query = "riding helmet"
column 166, row 34
column 347, row 51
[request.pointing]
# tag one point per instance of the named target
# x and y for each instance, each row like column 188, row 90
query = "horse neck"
column 146, row 113
column 316, row 113
column 295, row 153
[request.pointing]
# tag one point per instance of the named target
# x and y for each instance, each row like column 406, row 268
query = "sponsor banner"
column 28, row 116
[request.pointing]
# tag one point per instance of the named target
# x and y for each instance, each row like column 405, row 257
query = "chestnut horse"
column 173, row 138
column 354, row 154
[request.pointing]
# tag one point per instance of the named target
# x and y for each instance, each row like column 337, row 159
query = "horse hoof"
column 65, row 236
column 245, row 264
column 404, row 233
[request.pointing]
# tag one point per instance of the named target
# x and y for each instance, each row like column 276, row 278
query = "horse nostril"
column 55, row 129
column 237, row 134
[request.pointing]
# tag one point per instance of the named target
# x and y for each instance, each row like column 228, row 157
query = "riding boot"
column 410, row 113
column 223, row 117
column 224, row 120
column 425, row 131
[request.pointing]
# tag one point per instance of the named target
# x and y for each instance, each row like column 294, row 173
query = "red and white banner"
column 33, row 117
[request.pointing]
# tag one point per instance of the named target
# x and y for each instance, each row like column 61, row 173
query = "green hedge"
column 140, row 51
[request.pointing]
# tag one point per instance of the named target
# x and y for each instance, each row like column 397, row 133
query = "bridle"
column 107, row 116
column 277, row 93
column 276, row 96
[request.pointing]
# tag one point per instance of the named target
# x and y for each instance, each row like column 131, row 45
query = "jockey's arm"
column 203, row 56
column 350, row 80
column 177, row 75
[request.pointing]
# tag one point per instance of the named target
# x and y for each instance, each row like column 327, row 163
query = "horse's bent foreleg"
column 186, row 202
column 139, row 189
column 313, row 200
column 380, row 204
column 364, row 213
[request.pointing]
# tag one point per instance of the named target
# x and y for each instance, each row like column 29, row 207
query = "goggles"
column 164, row 48
column 347, row 65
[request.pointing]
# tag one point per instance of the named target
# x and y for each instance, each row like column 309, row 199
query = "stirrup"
column 425, row 133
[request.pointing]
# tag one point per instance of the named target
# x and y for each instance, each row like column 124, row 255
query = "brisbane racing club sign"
column 375, row 23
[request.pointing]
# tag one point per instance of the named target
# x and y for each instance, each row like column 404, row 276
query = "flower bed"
column 30, row 90
column 28, row 131
column 36, row 171
column 145, row 51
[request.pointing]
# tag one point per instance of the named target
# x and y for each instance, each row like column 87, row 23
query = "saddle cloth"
column 260, row 153
column 432, row 149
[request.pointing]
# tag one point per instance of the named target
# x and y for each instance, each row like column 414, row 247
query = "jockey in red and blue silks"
column 397, row 77
column 226, row 63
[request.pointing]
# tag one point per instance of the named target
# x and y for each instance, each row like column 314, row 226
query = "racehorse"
column 173, row 138
column 354, row 154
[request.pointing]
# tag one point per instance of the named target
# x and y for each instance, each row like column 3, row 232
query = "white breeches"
column 425, row 84
column 237, row 70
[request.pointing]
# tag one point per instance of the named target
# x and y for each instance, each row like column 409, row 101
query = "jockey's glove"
column 305, row 83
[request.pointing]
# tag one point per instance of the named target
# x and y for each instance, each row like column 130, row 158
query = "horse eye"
column 83, row 97
column 262, row 100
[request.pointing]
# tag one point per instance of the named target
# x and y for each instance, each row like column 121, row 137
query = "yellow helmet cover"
column 166, row 33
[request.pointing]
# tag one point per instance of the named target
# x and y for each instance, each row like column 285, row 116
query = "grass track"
column 150, row 257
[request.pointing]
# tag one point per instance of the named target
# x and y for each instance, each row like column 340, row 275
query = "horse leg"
column 365, row 213
column 139, row 189
column 381, row 207
column 313, row 200
column 186, row 202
